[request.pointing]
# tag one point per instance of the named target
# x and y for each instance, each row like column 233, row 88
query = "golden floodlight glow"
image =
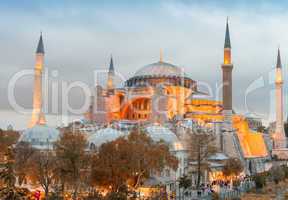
column 205, row 111
column 227, row 56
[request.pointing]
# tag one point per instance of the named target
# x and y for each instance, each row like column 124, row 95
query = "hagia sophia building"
column 161, row 92
column 160, row 97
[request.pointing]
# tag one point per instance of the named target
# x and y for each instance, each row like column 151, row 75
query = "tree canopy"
column 130, row 160
column 200, row 145
column 72, row 159
column 233, row 167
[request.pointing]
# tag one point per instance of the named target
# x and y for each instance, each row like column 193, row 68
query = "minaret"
column 279, row 136
column 161, row 56
column 227, row 67
column 111, row 73
column 37, row 114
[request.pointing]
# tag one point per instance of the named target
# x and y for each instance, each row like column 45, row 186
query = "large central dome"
column 160, row 69
column 158, row 73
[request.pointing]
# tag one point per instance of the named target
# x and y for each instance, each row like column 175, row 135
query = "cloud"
column 80, row 37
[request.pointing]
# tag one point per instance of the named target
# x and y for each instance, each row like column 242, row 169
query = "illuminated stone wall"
column 136, row 104
column 252, row 143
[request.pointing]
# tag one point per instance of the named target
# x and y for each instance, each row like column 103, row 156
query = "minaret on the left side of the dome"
column 227, row 68
column 37, row 114
column 111, row 74
column 279, row 135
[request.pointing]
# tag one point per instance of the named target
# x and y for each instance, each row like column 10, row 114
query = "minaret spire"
column 40, row 47
column 111, row 73
column 111, row 67
column 227, row 46
column 227, row 43
column 279, row 63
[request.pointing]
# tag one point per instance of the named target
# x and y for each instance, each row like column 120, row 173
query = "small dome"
column 40, row 136
column 160, row 69
column 158, row 133
column 104, row 135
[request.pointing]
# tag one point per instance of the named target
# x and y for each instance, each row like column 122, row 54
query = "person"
column 37, row 195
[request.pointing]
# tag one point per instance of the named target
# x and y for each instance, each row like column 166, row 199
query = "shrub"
column 185, row 182
column 277, row 174
column 285, row 170
column 260, row 181
column 215, row 196
column 236, row 183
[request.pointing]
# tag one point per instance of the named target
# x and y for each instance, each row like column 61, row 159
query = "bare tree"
column 200, row 145
column 24, row 152
column 43, row 169
column 72, row 159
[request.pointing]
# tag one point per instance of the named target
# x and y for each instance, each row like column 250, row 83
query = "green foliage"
column 260, row 181
column 236, row 183
column 185, row 182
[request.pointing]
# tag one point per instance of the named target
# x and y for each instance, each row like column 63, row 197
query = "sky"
column 80, row 36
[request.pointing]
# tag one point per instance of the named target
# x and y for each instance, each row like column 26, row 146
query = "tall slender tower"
column 279, row 136
column 227, row 67
column 111, row 74
column 37, row 114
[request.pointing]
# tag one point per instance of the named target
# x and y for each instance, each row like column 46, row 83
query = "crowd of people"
column 225, row 186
